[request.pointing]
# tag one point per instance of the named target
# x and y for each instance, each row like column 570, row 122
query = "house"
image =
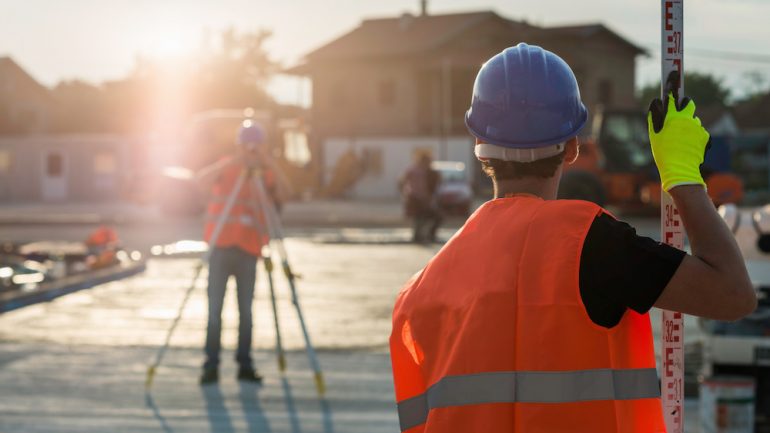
column 718, row 120
column 753, row 115
column 39, row 165
column 396, row 86
column 65, row 167
column 25, row 105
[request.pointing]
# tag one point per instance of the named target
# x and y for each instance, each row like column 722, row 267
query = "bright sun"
column 171, row 46
column 171, row 43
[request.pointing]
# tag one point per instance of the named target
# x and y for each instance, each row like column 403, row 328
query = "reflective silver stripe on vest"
column 530, row 387
column 245, row 220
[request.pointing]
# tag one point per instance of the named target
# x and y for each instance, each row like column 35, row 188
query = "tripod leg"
column 267, row 260
column 319, row 379
column 212, row 242
column 276, row 235
column 268, row 263
column 162, row 351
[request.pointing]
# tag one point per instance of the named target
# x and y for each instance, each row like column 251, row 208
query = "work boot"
column 249, row 375
column 209, row 375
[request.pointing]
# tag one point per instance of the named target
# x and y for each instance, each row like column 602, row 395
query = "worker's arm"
column 713, row 281
column 283, row 184
column 206, row 176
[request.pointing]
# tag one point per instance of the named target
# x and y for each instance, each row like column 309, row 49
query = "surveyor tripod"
column 263, row 204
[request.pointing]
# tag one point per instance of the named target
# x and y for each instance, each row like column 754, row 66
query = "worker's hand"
column 678, row 141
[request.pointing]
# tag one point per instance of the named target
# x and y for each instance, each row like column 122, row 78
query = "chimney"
column 406, row 21
column 423, row 8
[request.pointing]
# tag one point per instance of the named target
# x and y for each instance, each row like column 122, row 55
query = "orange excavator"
column 616, row 167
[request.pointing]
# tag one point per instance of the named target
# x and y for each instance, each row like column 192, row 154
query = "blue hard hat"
column 525, row 97
column 250, row 134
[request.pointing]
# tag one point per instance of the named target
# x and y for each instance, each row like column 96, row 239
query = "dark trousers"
column 243, row 266
column 425, row 224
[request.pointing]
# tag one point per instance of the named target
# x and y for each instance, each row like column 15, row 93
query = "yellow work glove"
column 678, row 142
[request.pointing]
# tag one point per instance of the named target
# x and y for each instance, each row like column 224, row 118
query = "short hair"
column 544, row 168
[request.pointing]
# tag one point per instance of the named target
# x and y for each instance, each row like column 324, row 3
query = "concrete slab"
column 61, row 388
column 78, row 363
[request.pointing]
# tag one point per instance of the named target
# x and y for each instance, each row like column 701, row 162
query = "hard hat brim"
column 529, row 145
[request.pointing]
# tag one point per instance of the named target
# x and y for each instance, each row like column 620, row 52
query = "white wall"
column 397, row 154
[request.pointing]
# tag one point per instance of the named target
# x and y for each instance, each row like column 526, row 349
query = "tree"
column 756, row 87
column 229, row 71
column 704, row 89
column 236, row 73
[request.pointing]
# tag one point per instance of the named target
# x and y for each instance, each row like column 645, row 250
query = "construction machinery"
column 616, row 167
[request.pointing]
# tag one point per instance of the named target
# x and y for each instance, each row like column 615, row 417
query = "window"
column 5, row 161
column 105, row 163
column 387, row 93
column 54, row 166
column 605, row 92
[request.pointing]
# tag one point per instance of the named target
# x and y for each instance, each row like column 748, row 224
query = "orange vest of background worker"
column 241, row 228
column 507, row 345
column 533, row 317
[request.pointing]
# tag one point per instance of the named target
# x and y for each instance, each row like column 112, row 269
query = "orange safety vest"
column 245, row 226
column 102, row 236
column 492, row 335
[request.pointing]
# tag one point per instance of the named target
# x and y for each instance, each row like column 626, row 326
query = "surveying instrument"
column 264, row 208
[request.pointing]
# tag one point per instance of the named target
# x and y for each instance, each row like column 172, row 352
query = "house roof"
column 406, row 34
column 712, row 113
column 588, row 30
column 754, row 113
column 409, row 34
column 9, row 66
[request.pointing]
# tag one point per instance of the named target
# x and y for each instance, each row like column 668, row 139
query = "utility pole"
column 671, row 229
column 446, row 106
column 423, row 8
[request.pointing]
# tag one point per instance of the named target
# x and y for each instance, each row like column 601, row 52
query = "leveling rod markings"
column 672, row 230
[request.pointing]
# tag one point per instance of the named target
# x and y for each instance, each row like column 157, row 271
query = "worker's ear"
column 572, row 150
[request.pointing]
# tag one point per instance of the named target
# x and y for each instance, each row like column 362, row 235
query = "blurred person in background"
column 240, row 241
column 418, row 187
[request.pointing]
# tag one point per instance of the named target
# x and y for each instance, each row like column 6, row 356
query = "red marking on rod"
column 678, row 66
column 669, row 15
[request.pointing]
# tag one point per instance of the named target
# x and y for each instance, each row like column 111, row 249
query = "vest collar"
column 520, row 194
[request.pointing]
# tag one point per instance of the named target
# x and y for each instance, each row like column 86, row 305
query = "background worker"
column 238, row 246
column 418, row 187
column 533, row 317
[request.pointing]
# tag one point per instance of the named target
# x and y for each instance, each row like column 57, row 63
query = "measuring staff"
column 533, row 317
column 671, row 227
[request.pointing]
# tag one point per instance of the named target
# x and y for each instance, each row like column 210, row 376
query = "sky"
column 98, row 40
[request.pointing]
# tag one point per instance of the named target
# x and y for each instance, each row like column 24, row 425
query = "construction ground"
column 78, row 363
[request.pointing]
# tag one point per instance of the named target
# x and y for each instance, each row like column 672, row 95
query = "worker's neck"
column 544, row 188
